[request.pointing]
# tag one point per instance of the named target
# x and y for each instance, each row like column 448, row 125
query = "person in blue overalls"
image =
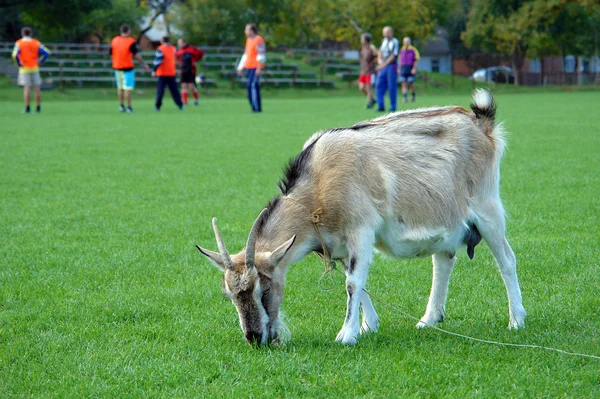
column 387, row 70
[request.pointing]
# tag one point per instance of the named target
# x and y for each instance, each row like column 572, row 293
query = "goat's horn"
column 221, row 245
column 250, row 245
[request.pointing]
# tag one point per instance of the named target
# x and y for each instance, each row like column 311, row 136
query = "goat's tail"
column 484, row 108
column 483, row 105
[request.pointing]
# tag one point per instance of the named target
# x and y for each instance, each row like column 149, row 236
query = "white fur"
column 408, row 184
column 482, row 98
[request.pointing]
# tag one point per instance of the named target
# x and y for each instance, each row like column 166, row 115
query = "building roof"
column 436, row 46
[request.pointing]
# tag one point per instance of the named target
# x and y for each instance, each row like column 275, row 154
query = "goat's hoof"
column 347, row 336
column 369, row 326
column 516, row 320
column 514, row 324
column 430, row 320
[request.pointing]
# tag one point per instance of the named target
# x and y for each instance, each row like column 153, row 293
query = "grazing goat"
column 411, row 184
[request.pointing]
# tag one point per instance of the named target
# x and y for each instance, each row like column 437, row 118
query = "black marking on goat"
column 471, row 239
column 355, row 127
column 488, row 112
column 296, row 168
column 423, row 113
column 352, row 265
column 266, row 294
column 270, row 209
column 201, row 251
column 350, row 290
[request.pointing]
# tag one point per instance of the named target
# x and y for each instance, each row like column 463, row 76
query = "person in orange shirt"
column 29, row 53
column 164, row 67
column 123, row 49
column 253, row 61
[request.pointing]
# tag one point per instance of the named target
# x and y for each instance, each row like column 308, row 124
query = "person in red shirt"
column 187, row 56
column 164, row 67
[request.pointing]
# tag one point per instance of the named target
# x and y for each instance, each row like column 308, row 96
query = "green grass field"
column 102, row 293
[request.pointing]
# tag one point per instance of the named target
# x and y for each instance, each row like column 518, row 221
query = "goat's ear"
column 214, row 257
column 278, row 254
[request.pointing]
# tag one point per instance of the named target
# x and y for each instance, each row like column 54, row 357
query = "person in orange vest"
column 29, row 53
column 164, row 67
column 253, row 61
column 123, row 49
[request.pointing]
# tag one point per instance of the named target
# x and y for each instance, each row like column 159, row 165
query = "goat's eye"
column 266, row 292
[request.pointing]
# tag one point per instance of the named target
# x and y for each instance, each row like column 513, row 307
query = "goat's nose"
column 253, row 337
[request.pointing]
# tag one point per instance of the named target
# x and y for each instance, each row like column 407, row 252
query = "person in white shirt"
column 387, row 70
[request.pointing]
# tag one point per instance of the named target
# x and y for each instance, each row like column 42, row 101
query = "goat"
column 410, row 184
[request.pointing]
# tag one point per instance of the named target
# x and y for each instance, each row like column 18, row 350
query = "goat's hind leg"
column 436, row 306
column 492, row 226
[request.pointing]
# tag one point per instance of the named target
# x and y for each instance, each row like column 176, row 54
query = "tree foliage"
column 69, row 20
column 520, row 28
column 533, row 28
column 301, row 23
column 105, row 22
column 212, row 21
column 60, row 20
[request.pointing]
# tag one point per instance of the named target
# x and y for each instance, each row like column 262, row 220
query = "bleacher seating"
column 287, row 82
column 91, row 63
column 273, row 73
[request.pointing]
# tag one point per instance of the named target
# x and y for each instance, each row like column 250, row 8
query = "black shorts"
column 405, row 75
column 188, row 77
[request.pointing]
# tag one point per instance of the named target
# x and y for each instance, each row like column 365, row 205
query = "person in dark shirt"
column 187, row 56
column 368, row 60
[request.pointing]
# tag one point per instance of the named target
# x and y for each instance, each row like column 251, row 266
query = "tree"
column 158, row 7
column 10, row 21
column 60, row 20
column 68, row 20
column 213, row 22
column 301, row 23
column 105, row 22
column 536, row 28
column 456, row 23
column 502, row 25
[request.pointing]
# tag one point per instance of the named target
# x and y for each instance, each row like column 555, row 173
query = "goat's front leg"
column 357, row 270
column 370, row 320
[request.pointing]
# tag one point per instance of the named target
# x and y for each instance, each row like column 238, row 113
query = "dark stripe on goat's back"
column 292, row 173
column 271, row 206
column 296, row 168
column 425, row 113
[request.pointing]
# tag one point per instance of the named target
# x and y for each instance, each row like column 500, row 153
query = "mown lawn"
column 102, row 293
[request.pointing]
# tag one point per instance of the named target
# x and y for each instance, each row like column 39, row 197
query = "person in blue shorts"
column 123, row 49
column 409, row 59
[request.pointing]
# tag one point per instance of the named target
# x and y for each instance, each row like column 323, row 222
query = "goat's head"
column 253, row 283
